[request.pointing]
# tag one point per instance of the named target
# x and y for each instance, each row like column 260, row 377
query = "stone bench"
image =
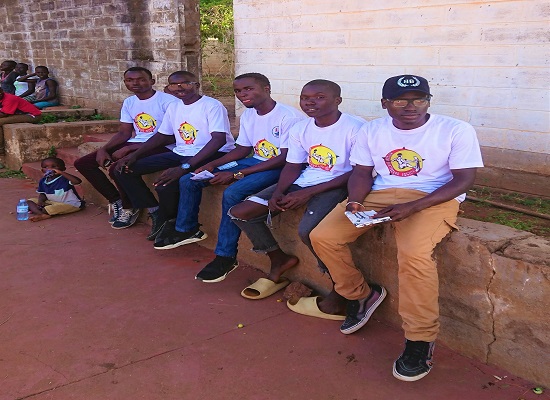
column 31, row 142
column 494, row 284
column 494, row 281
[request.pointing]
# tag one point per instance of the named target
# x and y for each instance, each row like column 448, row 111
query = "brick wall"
column 88, row 44
column 487, row 61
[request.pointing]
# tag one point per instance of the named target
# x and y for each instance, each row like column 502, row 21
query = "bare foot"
column 332, row 304
column 39, row 217
column 280, row 263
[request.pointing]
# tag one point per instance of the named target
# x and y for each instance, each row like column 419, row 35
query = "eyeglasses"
column 402, row 103
column 176, row 86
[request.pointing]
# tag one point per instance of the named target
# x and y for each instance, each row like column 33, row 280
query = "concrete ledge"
column 494, row 282
column 63, row 112
column 494, row 285
column 31, row 142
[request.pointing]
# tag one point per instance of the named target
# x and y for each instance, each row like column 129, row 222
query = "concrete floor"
column 88, row 312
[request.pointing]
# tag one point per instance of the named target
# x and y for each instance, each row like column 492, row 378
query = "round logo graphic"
column 403, row 162
column 188, row 133
column 275, row 131
column 265, row 149
column 321, row 157
column 145, row 123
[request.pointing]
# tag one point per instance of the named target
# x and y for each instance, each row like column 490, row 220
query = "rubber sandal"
column 263, row 288
column 308, row 306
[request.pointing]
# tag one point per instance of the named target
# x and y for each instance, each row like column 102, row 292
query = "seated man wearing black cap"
column 425, row 163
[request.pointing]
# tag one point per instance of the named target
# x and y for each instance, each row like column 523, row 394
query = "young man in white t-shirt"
column 264, row 127
column 140, row 118
column 424, row 163
column 323, row 143
column 198, row 127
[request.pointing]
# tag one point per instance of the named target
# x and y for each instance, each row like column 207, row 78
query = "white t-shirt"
column 325, row 150
column 267, row 133
column 193, row 124
column 145, row 115
column 420, row 158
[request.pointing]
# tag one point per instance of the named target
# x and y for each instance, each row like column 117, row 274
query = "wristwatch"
column 186, row 166
column 238, row 175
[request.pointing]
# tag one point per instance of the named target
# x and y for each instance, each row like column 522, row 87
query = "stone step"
column 98, row 137
column 69, row 155
column 66, row 112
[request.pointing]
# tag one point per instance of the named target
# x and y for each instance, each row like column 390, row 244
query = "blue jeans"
column 228, row 232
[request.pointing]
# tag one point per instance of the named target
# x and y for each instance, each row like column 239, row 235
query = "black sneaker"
column 359, row 311
column 126, row 219
column 116, row 209
column 170, row 238
column 156, row 225
column 217, row 270
column 415, row 362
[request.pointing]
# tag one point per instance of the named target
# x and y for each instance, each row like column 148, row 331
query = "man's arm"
column 157, row 140
column 299, row 198
column 31, row 84
column 214, row 144
column 124, row 133
column 52, row 88
column 359, row 186
column 226, row 177
column 463, row 179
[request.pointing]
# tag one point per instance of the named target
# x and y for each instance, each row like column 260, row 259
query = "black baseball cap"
column 398, row 85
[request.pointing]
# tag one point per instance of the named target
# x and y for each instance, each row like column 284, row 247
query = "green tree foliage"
column 217, row 20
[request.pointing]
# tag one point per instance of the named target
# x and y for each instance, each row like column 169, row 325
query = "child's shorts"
column 57, row 208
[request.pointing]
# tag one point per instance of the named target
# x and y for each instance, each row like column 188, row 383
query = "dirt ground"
column 487, row 212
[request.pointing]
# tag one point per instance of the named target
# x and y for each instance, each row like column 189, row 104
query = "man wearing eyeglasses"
column 197, row 127
column 424, row 164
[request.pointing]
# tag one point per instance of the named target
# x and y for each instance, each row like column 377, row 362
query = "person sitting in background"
column 14, row 110
column 56, row 193
column 23, row 86
column 8, row 76
column 45, row 92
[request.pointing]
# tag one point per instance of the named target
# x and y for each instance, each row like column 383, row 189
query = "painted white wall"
column 487, row 61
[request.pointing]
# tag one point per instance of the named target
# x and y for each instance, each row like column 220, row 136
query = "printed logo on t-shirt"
column 188, row 133
column 321, row 157
column 275, row 131
column 145, row 123
column 404, row 162
column 265, row 149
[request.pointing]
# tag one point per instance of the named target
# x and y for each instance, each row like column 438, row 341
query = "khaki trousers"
column 416, row 238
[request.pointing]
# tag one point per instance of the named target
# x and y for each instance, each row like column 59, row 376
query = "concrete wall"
column 487, row 62
column 88, row 44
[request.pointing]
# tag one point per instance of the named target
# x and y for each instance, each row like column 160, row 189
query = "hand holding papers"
column 202, row 176
column 364, row 218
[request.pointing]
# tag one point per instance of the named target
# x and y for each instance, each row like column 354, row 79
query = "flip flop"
column 308, row 306
column 263, row 288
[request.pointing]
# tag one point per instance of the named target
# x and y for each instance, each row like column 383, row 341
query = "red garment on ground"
column 10, row 104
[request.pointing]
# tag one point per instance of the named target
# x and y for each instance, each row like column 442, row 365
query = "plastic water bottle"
column 22, row 210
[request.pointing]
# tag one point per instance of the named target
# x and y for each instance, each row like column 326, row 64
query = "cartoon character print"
column 404, row 162
column 321, row 157
column 145, row 122
column 265, row 149
column 188, row 133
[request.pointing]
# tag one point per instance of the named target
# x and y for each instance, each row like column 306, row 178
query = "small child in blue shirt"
column 57, row 194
